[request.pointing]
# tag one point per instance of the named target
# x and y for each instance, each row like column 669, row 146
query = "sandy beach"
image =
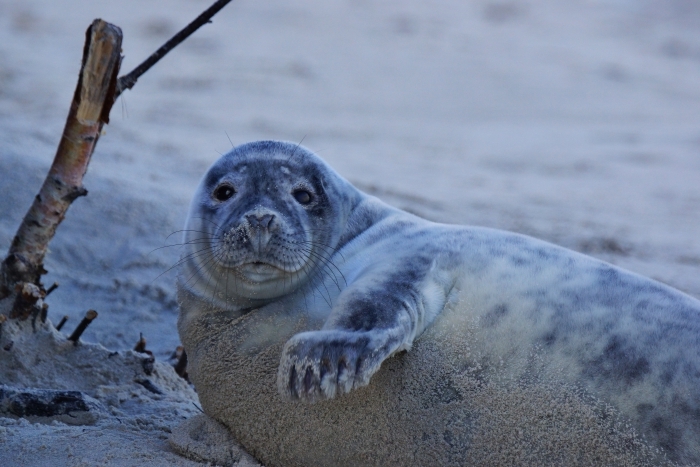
column 575, row 122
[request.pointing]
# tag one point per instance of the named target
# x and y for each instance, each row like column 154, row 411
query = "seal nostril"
column 264, row 221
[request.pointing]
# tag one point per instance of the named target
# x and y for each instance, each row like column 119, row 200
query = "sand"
column 576, row 122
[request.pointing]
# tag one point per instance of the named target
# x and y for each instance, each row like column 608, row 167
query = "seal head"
column 260, row 224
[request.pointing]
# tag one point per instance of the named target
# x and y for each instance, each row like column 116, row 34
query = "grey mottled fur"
column 367, row 280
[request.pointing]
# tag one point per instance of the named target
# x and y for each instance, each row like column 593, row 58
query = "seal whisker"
column 203, row 267
column 218, row 257
column 308, row 248
column 199, row 241
column 313, row 262
column 326, row 264
column 181, row 261
column 208, row 256
column 189, row 230
column 316, row 274
column 295, row 149
column 208, row 220
column 329, row 261
column 194, row 254
column 333, row 249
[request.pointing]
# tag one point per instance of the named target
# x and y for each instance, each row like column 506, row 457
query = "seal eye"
column 302, row 196
column 224, row 192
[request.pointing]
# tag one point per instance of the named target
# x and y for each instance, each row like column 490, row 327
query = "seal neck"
column 367, row 212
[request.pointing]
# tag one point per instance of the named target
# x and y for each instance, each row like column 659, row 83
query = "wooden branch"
column 98, row 87
column 92, row 101
column 127, row 81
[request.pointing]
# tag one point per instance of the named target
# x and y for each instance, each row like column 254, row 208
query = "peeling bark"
column 27, row 300
column 92, row 101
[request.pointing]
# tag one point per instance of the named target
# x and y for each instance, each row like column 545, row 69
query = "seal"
column 296, row 286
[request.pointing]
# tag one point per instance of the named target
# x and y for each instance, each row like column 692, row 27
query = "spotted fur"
column 370, row 279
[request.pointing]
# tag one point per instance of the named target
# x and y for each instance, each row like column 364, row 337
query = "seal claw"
column 319, row 365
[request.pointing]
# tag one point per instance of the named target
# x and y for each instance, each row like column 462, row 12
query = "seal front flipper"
column 372, row 320
column 323, row 364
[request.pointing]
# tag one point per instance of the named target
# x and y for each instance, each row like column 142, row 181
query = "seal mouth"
column 258, row 271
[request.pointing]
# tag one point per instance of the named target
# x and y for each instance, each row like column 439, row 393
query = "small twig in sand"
column 181, row 365
column 141, row 344
column 129, row 80
column 61, row 323
column 89, row 316
column 53, row 287
column 44, row 312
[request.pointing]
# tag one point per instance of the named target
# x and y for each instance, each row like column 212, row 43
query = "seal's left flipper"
column 372, row 320
column 322, row 364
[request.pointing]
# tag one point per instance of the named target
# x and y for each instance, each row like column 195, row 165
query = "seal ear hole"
column 302, row 196
column 223, row 192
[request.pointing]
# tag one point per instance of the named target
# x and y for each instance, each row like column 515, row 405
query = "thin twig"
column 141, row 344
column 89, row 316
column 53, row 287
column 129, row 80
column 181, row 365
column 44, row 312
column 61, row 323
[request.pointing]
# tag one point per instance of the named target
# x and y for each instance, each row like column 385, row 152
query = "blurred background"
column 573, row 121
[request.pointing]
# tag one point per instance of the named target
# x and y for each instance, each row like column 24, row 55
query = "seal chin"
column 263, row 281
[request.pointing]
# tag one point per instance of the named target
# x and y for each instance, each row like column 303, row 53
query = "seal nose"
column 260, row 221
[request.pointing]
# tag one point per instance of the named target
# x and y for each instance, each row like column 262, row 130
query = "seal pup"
column 294, row 285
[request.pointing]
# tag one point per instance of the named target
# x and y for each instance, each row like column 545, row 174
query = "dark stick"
column 141, row 344
column 181, row 365
column 127, row 81
column 61, row 323
column 44, row 312
column 89, row 316
column 53, row 287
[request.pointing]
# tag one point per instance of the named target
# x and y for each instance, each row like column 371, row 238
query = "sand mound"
column 84, row 403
